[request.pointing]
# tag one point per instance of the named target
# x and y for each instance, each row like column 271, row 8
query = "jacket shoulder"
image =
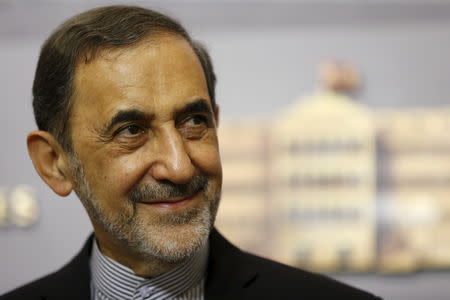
column 235, row 274
column 33, row 290
column 274, row 278
column 72, row 281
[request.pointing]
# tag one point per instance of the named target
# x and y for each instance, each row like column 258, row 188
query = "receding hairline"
column 111, row 53
column 150, row 40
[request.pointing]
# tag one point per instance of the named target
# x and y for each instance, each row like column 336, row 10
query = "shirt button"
column 145, row 293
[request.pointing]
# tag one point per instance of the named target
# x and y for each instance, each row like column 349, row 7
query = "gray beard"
column 170, row 238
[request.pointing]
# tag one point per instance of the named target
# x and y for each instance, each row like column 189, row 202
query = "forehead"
column 158, row 74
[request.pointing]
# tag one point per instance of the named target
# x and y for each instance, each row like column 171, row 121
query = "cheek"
column 112, row 179
column 125, row 172
column 207, row 159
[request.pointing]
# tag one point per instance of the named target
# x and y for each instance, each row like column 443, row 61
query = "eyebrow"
column 126, row 116
column 198, row 106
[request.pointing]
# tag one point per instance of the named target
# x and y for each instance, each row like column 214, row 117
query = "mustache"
column 165, row 189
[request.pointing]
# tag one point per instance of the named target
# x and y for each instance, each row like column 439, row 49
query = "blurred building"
column 244, row 214
column 324, row 183
column 414, row 189
column 330, row 185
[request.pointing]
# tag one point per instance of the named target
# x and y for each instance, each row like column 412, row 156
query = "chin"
column 171, row 242
column 174, row 238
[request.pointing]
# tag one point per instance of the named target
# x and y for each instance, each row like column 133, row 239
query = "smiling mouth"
column 172, row 203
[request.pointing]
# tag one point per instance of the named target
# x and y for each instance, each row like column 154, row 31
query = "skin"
column 141, row 121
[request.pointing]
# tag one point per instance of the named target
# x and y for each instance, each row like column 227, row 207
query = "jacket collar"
column 228, row 273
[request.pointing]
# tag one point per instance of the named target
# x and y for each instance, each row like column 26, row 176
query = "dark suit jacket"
column 232, row 274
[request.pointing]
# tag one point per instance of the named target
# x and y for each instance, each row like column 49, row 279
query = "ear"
column 50, row 161
column 216, row 114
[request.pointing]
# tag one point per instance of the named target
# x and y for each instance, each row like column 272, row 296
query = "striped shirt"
column 113, row 281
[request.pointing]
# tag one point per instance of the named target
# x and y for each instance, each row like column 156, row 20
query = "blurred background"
column 334, row 132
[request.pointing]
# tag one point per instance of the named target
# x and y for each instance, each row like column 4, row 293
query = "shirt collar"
column 117, row 281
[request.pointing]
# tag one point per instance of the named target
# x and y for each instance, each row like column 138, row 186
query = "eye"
column 130, row 130
column 196, row 120
column 194, row 127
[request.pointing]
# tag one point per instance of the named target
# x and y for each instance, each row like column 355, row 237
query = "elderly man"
column 125, row 105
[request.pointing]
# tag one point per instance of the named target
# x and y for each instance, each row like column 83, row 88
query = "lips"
column 171, row 203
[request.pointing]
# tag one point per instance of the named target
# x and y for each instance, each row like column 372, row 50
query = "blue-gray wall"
column 265, row 55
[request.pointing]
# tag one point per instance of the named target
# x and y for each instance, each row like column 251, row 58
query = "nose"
column 171, row 160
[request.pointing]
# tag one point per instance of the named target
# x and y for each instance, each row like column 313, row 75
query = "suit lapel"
column 228, row 271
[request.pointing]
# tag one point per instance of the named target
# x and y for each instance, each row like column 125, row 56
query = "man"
column 125, row 105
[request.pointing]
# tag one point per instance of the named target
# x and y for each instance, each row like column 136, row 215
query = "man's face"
column 146, row 163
